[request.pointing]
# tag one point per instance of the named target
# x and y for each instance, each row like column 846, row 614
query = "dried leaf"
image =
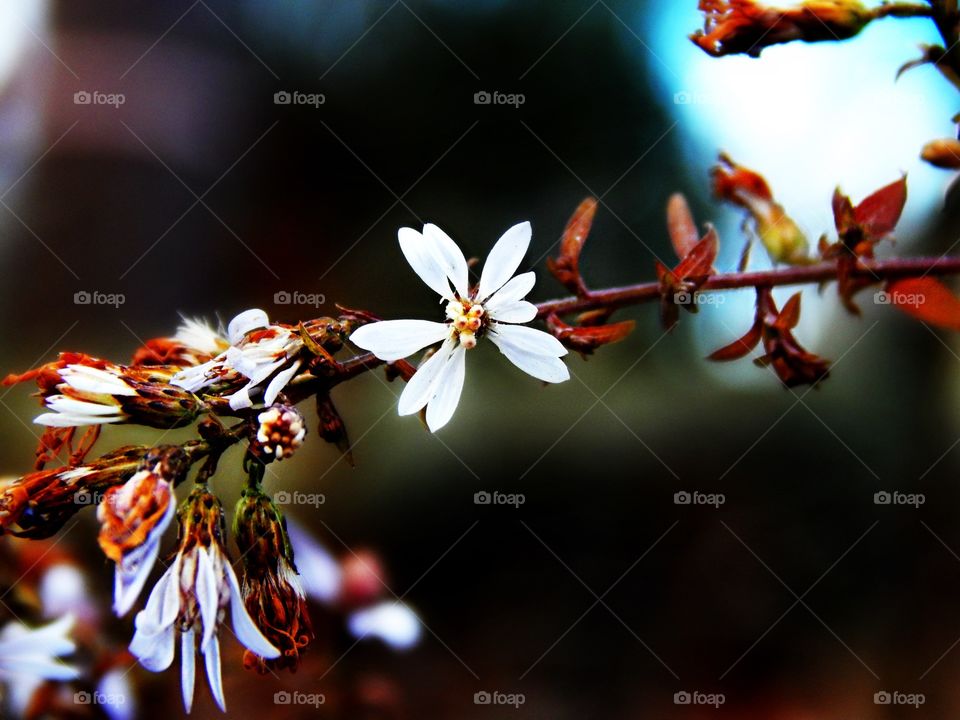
column 681, row 226
column 879, row 213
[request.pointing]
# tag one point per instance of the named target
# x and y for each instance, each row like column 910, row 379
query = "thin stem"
column 879, row 270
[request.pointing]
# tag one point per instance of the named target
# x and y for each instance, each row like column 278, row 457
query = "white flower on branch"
column 495, row 308
column 258, row 351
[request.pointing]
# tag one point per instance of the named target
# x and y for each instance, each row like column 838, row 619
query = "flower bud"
column 270, row 584
column 281, row 432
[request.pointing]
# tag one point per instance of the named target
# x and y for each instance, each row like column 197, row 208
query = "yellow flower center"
column 467, row 319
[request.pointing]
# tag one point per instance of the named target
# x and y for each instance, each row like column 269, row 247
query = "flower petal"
column 416, row 249
column 211, row 658
column 518, row 311
column 449, row 256
column 279, row 382
column 391, row 340
column 448, row 387
column 208, row 595
column 153, row 650
column 504, row 259
column 245, row 322
column 533, row 351
column 188, row 668
column 243, row 626
column 515, row 289
column 421, row 387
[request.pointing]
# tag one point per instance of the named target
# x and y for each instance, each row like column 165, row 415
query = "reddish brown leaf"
column 566, row 266
column 588, row 339
column 879, row 213
column 926, row 299
column 844, row 216
column 741, row 347
column 699, row 261
column 790, row 314
column 681, row 226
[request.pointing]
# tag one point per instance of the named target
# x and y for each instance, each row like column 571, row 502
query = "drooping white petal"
column 188, row 668
column 515, row 289
column 245, row 322
column 534, row 355
column 19, row 641
column 504, row 259
column 132, row 571
column 68, row 411
column 393, row 622
column 422, row 386
column 416, row 250
column 279, row 382
column 450, row 257
column 448, row 388
column 211, row 657
column 518, row 311
column 391, row 340
column 243, row 626
column 208, row 596
column 154, row 650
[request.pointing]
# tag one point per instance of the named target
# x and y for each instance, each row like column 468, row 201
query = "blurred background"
column 146, row 152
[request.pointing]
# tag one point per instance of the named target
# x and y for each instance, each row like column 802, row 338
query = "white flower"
column 492, row 309
column 133, row 519
column 87, row 397
column 257, row 356
column 192, row 597
column 199, row 341
column 30, row 656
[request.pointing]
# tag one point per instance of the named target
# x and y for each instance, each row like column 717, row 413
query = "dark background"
column 798, row 598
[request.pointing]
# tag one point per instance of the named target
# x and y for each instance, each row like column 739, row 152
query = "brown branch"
column 879, row 270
